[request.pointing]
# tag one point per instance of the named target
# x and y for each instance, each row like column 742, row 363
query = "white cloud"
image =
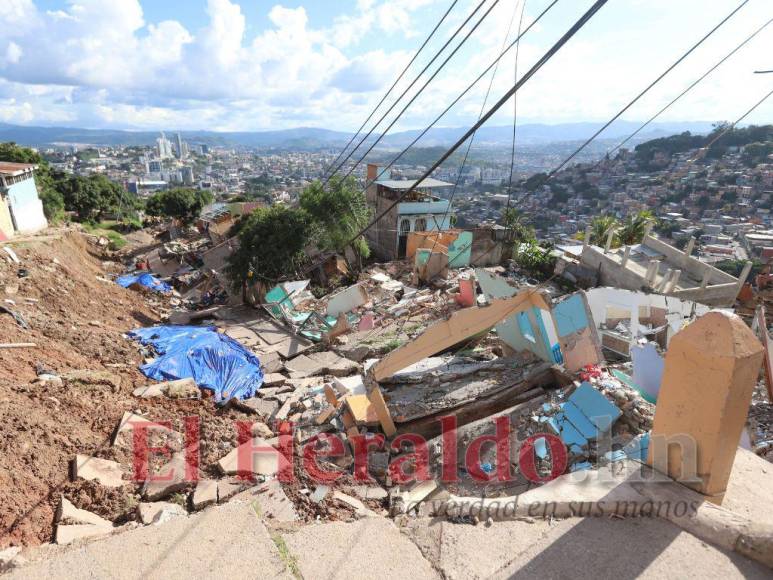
column 100, row 63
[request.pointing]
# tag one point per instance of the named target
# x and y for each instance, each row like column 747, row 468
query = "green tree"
column 272, row 241
column 518, row 230
column 46, row 181
column 183, row 204
column 94, row 196
column 337, row 214
column 634, row 226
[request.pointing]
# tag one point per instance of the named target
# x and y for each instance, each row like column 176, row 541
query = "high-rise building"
column 187, row 175
column 164, row 147
column 182, row 147
column 154, row 166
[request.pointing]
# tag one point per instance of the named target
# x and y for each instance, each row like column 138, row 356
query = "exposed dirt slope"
column 77, row 322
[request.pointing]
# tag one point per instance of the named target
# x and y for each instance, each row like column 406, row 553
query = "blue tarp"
column 215, row 361
column 147, row 280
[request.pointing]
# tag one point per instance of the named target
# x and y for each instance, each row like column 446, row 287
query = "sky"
column 249, row 65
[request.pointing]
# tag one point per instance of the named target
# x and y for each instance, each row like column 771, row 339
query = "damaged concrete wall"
column 565, row 334
column 618, row 303
column 577, row 336
column 524, row 331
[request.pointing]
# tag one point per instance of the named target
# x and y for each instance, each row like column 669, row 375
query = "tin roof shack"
column 657, row 266
column 20, row 207
column 420, row 211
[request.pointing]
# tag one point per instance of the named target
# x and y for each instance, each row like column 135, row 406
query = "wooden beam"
column 460, row 326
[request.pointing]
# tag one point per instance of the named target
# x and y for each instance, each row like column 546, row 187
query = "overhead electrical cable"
column 408, row 88
column 646, row 90
column 394, row 84
column 421, row 90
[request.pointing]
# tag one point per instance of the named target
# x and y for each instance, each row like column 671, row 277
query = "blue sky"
column 262, row 64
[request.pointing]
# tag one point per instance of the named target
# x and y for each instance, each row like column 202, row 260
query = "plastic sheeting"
column 147, row 280
column 215, row 361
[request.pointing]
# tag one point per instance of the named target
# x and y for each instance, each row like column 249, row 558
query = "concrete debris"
column 260, row 458
column 68, row 514
column 168, row 479
column 179, row 389
column 205, row 494
column 103, row 471
column 159, row 511
column 402, row 350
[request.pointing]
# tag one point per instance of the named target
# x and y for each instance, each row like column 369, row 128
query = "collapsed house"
column 652, row 265
column 403, row 351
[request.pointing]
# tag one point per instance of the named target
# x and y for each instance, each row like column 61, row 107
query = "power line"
column 688, row 89
column 515, row 122
column 408, row 88
column 394, row 84
column 729, row 128
column 459, row 97
column 642, row 93
column 506, row 97
column 431, row 78
column 472, row 139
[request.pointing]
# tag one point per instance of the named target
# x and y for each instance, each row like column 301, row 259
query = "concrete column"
column 744, row 275
column 675, row 275
column 647, row 230
column 710, row 373
column 706, row 277
column 690, row 245
column 586, row 239
column 626, row 255
column 664, row 282
column 610, row 237
column 652, row 270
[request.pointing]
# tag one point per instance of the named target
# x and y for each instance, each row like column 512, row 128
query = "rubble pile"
column 299, row 369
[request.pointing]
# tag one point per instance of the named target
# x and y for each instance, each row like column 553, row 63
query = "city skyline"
column 224, row 65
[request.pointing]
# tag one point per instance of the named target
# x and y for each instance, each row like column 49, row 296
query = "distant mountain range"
column 305, row 138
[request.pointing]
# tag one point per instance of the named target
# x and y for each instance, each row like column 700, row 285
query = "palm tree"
column 600, row 228
column 634, row 226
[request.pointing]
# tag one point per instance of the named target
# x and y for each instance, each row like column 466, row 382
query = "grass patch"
column 392, row 344
column 106, row 229
column 286, row 555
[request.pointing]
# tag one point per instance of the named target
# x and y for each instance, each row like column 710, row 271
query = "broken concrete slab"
column 126, row 426
column 265, row 460
column 346, row 300
column 106, row 472
column 264, row 408
column 360, row 509
column 174, row 474
column 370, row 492
column 67, row 534
column 205, row 494
column 228, row 488
column 67, row 513
column 269, row 502
column 273, row 379
column 159, row 511
column 179, row 389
